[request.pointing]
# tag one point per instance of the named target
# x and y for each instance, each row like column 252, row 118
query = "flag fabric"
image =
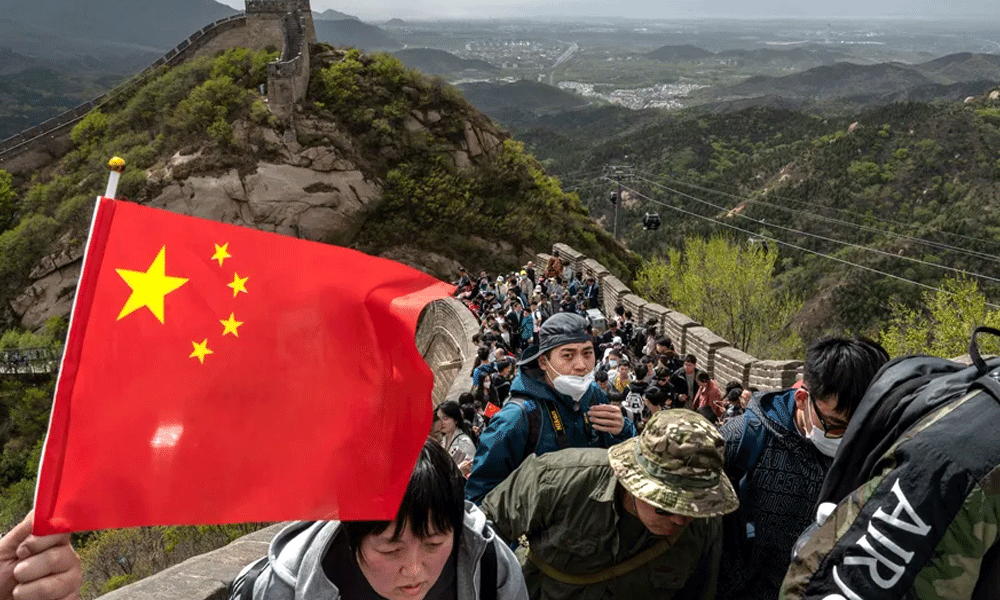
column 220, row 374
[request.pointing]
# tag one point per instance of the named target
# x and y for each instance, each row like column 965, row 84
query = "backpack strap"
column 530, row 409
column 754, row 437
column 241, row 588
column 488, row 573
column 612, row 572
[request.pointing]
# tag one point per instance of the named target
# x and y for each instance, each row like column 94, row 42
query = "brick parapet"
column 723, row 361
column 675, row 327
column 704, row 344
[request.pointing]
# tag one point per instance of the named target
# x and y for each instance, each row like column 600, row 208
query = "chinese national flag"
column 219, row 374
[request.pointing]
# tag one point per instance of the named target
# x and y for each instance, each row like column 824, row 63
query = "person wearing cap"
column 642, row 519
column 554, row 389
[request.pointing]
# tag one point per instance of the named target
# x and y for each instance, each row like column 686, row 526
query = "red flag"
column 219, row 374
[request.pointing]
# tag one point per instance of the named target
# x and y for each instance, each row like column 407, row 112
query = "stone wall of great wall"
column 263, row 25
column 721, row 359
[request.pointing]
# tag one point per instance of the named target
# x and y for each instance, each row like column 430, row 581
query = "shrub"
column 91, row 129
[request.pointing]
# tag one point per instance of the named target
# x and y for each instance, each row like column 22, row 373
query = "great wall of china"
column 446, row 330
column 286, row 25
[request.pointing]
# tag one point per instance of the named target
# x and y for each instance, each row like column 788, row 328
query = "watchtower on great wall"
column 264, row 17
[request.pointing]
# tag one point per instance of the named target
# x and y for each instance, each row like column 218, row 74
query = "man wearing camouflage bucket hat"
column 642, row 519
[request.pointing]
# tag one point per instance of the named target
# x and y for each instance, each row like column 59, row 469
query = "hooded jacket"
column 776, row 501
column 504, row 444
column 916, row 490
column 295, row 562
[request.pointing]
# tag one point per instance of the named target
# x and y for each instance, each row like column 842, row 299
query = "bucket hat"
column 675, row 464
column 558, row 330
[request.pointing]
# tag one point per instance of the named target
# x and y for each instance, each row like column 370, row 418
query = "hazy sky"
column 440, row 9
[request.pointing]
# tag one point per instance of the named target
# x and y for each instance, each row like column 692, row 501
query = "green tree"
column 942, row 323
column 8, row 201
column 730, row 289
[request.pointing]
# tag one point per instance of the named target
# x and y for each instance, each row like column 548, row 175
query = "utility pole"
column 615, row 173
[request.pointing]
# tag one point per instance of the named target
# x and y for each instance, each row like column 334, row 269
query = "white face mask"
column 613, row 364
column 825, row 445
column 573, row 386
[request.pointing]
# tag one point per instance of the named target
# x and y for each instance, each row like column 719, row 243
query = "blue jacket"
column 504, row 444
column 527, row 327
column 777, row 502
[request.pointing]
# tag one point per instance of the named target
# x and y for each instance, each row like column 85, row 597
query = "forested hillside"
column 907, row 189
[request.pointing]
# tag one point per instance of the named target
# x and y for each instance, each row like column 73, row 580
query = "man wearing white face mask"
column 554, row 404
column 777, row 454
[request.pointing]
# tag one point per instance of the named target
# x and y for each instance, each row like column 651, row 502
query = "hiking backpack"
column 921, row 444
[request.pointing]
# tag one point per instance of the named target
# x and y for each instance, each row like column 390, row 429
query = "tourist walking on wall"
column 458, row 438
column 641, row 520
column 554, row 390
column 777, row 454
column 437, row 547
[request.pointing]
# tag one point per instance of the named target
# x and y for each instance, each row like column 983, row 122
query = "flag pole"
column 117, row 165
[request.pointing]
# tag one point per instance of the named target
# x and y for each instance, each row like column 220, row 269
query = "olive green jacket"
column 565, row 503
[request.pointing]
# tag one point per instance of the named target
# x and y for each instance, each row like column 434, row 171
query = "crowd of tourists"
column 589, row 461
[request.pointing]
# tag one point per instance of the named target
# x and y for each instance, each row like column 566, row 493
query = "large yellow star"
column 221, row 253
column 231, row 325
column 200, row 350
column 238, row 284
column 149, row 288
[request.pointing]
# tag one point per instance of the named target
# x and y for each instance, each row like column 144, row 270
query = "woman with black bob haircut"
column 438, row 547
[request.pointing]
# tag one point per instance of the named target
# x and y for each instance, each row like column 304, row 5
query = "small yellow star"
column 200, row 350
column 149, row 288
column 231, row 325
column 238, row 284
column 221, row 253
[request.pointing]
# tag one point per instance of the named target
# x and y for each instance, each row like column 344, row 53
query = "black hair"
column 600, row 375
column 733, row 395
column 641, row 370
column 469, row 412
column 614, row 396
column 628, row 314
column 434, row 501
column 455, row 411
column 656, row 395
column 704, row 376
column 464, row 398
column 661, row 372
column 732, row 385
column 843, row 368
column 619, row 310
column 691, row 358
column 665, row 342
column 708, row 413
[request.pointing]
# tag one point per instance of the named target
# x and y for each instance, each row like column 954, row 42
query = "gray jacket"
column 295, row 570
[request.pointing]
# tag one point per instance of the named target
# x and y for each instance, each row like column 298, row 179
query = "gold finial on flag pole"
column 117, row 165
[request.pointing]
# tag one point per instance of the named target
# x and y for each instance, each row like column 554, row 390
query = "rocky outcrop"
column 311, row 186
column 52, row 291
column 314, row 205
